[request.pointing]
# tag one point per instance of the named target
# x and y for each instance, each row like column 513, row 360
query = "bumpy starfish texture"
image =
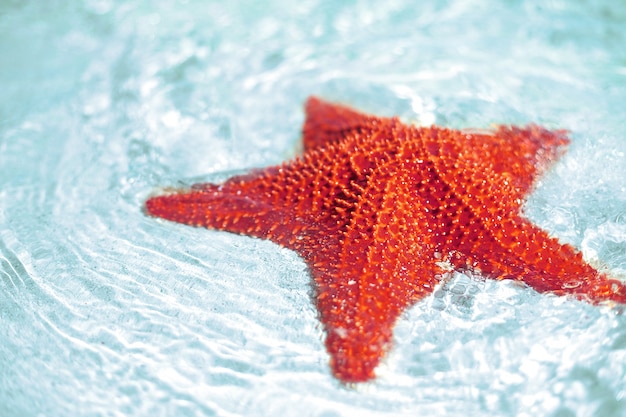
column 380, row 211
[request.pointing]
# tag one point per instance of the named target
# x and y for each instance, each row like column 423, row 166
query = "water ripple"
column 106, row 312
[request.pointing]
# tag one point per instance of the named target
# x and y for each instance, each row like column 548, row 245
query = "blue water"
column 104, row 312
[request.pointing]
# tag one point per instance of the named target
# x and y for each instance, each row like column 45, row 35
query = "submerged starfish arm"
column 327, row 123
column 550, row 266
column 382, row 264
column 513, row 248
column 359, row 306
column 299, row 205
column 516, row 155
column 226, row 207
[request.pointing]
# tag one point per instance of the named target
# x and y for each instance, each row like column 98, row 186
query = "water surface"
column 105, row 312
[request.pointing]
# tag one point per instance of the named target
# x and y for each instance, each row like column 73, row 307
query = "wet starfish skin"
column 381, row 211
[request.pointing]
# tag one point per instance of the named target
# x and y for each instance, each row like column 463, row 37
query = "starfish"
column 381, row 211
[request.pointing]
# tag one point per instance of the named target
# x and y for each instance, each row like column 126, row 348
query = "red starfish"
column 380, row 211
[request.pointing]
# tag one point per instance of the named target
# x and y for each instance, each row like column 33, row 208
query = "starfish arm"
column 522, row 154
column 481, row 229
column 513, row 248
column 382, row 265
column 244, row 204
column 546, row 265
column 499, row 167
column 296, row 204
column 359, row 308
column 328, row 123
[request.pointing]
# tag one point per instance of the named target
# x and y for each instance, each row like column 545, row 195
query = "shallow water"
column 105, row 312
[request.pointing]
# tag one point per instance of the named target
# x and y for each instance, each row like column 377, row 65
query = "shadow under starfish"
column 381, row 211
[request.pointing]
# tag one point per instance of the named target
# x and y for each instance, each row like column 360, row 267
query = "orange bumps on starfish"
column 375, row 207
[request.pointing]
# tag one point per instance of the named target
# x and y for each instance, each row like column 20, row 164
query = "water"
column 105, row 312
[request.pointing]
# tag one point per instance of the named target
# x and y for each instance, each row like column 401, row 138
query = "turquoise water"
column 104, row 312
